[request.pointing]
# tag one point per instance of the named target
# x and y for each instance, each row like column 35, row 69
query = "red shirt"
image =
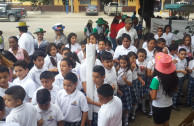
column 113, row 32
column 119, row 26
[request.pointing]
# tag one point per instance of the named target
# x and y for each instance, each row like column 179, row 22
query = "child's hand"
column 143, row 83
column 165, row 50
column 120, row 92
column 89, row 100
column 113, row 86
column 117, row 68
column 184, row 72
column 174, row 61
column 124, row 78
column 133, row 65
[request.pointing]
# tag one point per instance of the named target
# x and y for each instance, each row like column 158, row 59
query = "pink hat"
column 164, row 63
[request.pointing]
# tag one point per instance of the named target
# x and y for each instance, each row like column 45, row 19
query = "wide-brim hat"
column 39, row 30
column 128, row 20
column 90, row 21
column 22, row 24
column 100, row 21
column 164, row 63
column 58, row 26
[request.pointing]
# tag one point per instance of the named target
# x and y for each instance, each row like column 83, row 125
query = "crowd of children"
column 52, row 91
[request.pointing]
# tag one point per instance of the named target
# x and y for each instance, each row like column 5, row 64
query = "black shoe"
column 150, row 115
column 132, row 118
column 176, row 108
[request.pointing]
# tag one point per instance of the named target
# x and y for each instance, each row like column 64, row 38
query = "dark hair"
column 106, row 55
column 48, row 48
column 17, row 92
column 89, row 26
column 169, row 82
column 59, row 46
column 69, row 38
column 115, row 20
column 119, row 41
column 186, row 36
column 70, row 62
column 2, row 104
column 125, row 57
column 105, row 90
column 161, row 40
column 21, row 63
column 166, row 26
column 101, row 37
column 1, row 32
column 124, row 35
column 131, row 53
column 109, row 43
column 43, row 96
column 47, row 75
column 95, row 36
column 38, row 54
column 160, row 28
column 14, row 37
column 173, row 47
column 84, row 42
column 99, row 69
column 182, row 49
column 142, row 51
column 74, row 57
column 4, row 69
column 71, row 77
column 102, row 40
column 157, row 49
column 64, row 49
column 148, row 35
column 23, row 29
column 8, row 55
column 150, row 39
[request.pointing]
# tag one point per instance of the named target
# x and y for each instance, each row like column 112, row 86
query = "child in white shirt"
column 75, row 111
column 21, row 71
column 81, row 53
column 50, row 113
column 47, row 79
column 173, row 49
column 109, row 47
column 23, row 113
column 37, row 69
column 72, row 45
column 146, row 37
column 150, row 49
column 159, row 33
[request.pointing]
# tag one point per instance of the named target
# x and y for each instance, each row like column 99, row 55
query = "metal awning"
column 172, row 6
column 180, row 7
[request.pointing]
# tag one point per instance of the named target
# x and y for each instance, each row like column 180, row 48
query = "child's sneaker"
column 132, row 118
column 150, row 115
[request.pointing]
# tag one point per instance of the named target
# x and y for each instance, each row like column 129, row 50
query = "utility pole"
column 71, row 6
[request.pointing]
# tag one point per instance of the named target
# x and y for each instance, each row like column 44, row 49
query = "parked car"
column 112, row 8
column 11, row 14
column 91, row 10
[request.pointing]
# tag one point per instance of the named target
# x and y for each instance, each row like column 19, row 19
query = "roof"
column 180, row 7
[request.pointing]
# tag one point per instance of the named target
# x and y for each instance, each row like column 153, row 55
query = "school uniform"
column 169, row 38
column 80, row 56
column 34, row 74
column 29, row 86
column 110, row 114
column 3, row 123
column 48, row 64
column 25, row 115
column 151, row 66
column 157, row 37
column 188, row 48
column 72, row 105
column 132, row 32
column 162, row 105
column 124, row 88
column 191, row 83
column 135, row 89
column 40, row 46
column 121, row 50
column 74, row 48
column 145, row 45
column 150, row 54
column 180, row 65
column 111, row 51
column 26, row 42
column 111, row 78
column 2, row 90
column 51, row 116
column 53, row 92
column 142, row 74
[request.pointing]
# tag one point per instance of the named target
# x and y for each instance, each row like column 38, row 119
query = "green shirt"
column 85, row 29
column 95, row 30
column 155, row 83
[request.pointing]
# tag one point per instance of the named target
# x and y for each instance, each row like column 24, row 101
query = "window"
column 85, row 1
column 124, row 2
column 2, row 9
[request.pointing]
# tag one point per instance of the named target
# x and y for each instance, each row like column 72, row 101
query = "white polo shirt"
column 72, row 105
column 169, row 38
column 157, row 37
column 191, row 66
column 25, row 115
column 181, row 65
column 150, row 54
column 29, row 86
column 141, row 64
column 2, row 123
column 53, row 94
column 74, row 48
column 110, row 114
column 121, row 50
column 111, row 77
column 48, row 64
column 132, row 32
column 120, row 74
column 96, row 99
column 2, row 90
column 80, row 56
column 151, row 65
column 26, row 42
column 34, row 74
column 51, row 116
column 145, row 45
column 110, row 51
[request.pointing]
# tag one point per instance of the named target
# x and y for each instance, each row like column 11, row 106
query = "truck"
column 112, row 8
column 11, row 14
